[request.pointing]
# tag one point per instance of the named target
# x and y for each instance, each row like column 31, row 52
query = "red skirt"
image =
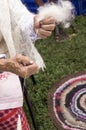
column 8, row 119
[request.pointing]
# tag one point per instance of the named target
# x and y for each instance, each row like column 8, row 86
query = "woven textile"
column 8, row 119
column 67, row 103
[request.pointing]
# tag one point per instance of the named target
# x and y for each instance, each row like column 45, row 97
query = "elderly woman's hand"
column 45, row 27
column 20, row 65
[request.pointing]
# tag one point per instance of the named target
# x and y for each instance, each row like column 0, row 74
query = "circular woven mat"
column 67, row 103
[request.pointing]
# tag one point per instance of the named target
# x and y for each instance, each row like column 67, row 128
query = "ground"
column 61, row 59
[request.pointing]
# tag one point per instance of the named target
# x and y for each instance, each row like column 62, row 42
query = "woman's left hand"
column 45, row 27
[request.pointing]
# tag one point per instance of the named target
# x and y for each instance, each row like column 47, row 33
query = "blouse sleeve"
column 29, row 24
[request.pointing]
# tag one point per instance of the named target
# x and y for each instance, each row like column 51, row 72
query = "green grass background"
column 61, row 59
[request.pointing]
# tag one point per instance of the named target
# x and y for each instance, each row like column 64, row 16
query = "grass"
column 61, row 59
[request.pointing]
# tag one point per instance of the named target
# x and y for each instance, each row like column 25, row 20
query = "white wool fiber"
column 63, row 12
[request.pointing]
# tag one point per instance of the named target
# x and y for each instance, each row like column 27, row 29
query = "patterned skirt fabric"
column 67, row 103
column 8, row 119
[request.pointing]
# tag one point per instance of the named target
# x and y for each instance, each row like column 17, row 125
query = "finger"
column 36, row 23
column 30, row 70
column 49, row 20
column 49, row 27
column 43, row 33
column 24, row 60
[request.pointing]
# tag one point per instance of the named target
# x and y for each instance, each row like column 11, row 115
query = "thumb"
column 36, row 23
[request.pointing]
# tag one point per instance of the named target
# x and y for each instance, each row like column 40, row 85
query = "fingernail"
column 31, row 62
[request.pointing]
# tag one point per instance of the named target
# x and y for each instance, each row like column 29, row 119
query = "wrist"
column 3, row 64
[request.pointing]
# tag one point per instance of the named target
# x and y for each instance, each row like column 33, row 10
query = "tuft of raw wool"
column 62, row 11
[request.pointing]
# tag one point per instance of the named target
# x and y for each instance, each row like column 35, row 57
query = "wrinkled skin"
column 20, row 65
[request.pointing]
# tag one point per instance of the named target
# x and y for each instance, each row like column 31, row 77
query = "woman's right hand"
column 20, row 65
